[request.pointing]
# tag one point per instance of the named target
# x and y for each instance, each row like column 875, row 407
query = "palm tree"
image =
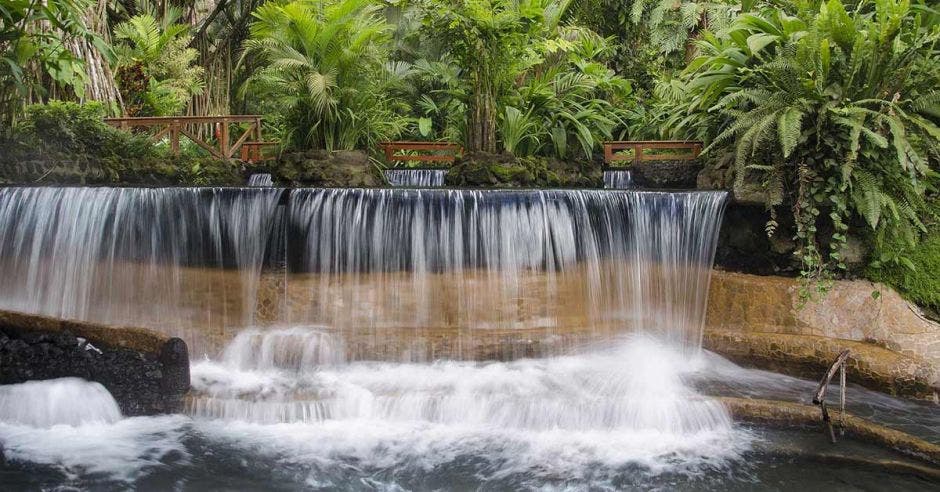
column 322, row 70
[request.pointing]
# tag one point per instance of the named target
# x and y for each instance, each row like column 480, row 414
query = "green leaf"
column 789, row 130
column 424, row 126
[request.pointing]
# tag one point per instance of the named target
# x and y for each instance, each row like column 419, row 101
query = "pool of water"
column 283, row 413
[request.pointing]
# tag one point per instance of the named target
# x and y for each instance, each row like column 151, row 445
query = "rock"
column 146, row 373
column 343, row 169
column 752, row 304
column 482, row 169
column 671, row 174
column 854, row 252
column 749, row 193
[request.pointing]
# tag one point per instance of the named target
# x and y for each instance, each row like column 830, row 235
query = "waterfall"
column 422, row 178
column 172, row 258
column 66, row 401
column 386, row 329
column 479, row 262
column 260, row 179
column 620, row 179
column 404, row 273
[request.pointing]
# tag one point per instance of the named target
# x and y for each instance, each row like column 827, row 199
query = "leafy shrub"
column 322, row 72
column 79, row 131
column 156, row 71
column 918, row 277
column 834, row 112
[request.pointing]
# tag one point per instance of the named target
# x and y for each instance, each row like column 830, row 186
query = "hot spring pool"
column 637, row 415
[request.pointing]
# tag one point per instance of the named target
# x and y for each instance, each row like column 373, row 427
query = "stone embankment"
column 147, row 373
column 762, row 321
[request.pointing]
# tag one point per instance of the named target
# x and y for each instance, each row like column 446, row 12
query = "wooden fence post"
column 223, row 140
column 175, row 137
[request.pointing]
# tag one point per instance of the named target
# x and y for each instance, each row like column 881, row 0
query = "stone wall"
column 147, row 373
column 850, row 311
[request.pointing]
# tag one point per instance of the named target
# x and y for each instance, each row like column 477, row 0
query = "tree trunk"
column 481, row 124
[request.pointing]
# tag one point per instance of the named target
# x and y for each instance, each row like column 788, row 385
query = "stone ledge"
column 146, row 372
column 770, row 304
column 788, row 414
column 809, row 356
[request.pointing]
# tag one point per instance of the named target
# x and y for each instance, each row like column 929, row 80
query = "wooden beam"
column 198, row 141
column 241, row 140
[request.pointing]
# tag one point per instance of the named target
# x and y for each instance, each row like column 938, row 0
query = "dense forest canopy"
column 829, row 111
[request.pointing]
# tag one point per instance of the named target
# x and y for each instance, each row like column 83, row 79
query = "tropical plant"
column 672, row 24
column 487, row 39
column 572, row 94
column 834, row 111
column 323, row 72
column 539, row 85
column 33, row 53
column 155, row 66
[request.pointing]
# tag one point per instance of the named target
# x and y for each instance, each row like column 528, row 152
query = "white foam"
column 565, row 415
column 124, row 450
column 65, row 401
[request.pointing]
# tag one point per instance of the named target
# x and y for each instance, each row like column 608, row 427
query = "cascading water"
column 420, row 178
column 260, row 179
column 66, row 401
column 490, row 263
column 618, row 179
column 177, row 259
column 375, row 305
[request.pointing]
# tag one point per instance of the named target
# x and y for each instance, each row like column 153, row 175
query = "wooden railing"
column 174, row 126
column 681, row 150
column 254, row 151
column 430, row 151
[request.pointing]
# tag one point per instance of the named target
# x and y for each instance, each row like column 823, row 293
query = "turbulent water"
column 67, row 401
column 618, row 179
column 421, row 178
column 349, row 324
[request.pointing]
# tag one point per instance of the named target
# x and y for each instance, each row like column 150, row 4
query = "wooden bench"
column 681, row 150
column 430, row 151
column 252, row 152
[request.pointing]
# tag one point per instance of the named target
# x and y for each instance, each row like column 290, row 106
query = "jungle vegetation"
column 829, row 108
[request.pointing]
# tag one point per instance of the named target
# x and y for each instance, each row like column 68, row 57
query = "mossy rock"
column 340, row 169
column 507, row 171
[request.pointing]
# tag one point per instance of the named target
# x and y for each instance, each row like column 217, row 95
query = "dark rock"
column 677, row 174
column 341, row 169
column 142, row 383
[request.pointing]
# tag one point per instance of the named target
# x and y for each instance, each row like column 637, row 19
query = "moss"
column 921, row 284
column 503, row 170
column 69, row 143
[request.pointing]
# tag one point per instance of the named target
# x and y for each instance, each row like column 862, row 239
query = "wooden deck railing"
column 431, row 151
column 677, row 150
column 174, row 126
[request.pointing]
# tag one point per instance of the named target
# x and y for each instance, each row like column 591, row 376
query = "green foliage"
column 323, row 72
column 542, row 86
column 834, row 111
column 30, row 51
column 78, row 130
column 155, row 66
column 918, row 277
column 673, row 24
column 66, row 142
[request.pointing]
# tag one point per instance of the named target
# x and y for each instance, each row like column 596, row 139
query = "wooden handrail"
column 611, row 148
column 174, row 126
column 391, row 148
